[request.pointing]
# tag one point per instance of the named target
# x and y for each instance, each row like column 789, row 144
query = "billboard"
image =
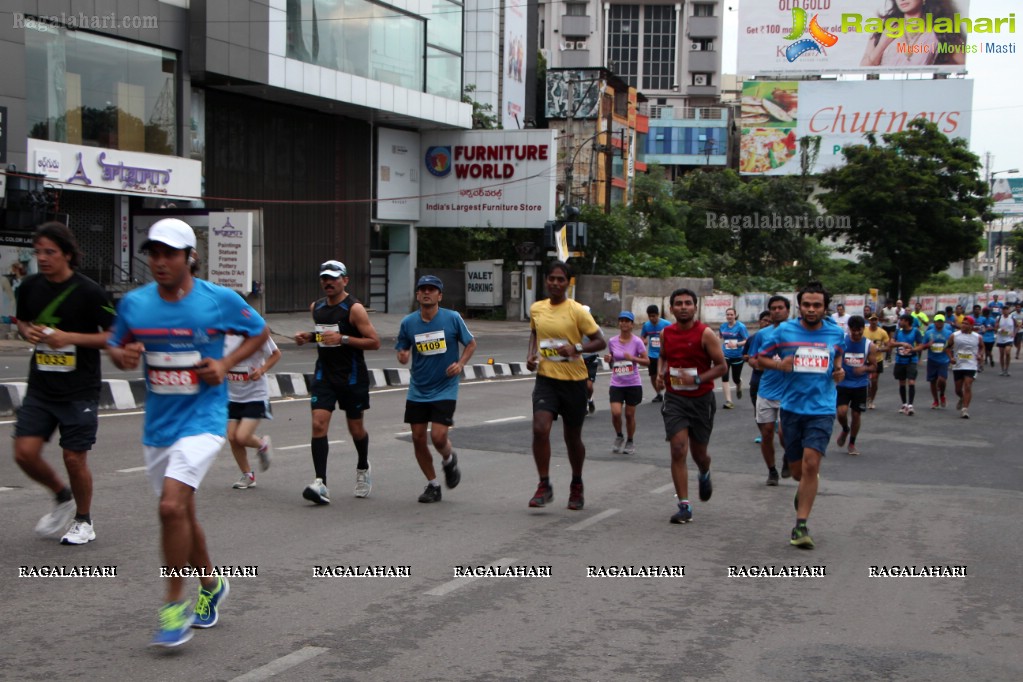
column 1008, row 196
column 488, row 178
column 775, row 115
column 793, row 37
column 513, row 98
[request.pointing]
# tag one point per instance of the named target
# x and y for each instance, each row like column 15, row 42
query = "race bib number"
column 431, row 343
column 903, row 351
column 623, row 368
column 173, row 373
column 655, row 343
column 549, row 350
column 61, row 359
column 964, row 355
column 238, row 373
column 811, row 360
column 731, row 344
column 675, row 375
column 323, row 328
column 937, row 347
column 854, row 359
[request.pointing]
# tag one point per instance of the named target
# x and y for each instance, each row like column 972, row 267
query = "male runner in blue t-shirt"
column 177, row 324
column 907, row 342
column 651, row 334
column 770, row 391
column 935, row 341
column 810, row 350
column 858, row 363
column 430, row 336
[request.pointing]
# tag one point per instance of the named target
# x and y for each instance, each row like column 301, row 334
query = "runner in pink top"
column 625, row 354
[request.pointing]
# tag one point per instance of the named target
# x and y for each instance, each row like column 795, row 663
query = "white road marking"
column 663, row 489
column 506, row 419
column 305, row 445
column 452, row 585
column 131, row 470
column 279, row 665
column 593, row 519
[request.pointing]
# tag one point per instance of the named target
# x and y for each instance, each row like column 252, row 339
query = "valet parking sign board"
column 789, row 37
column 231, row 251
column 777, row 114
column 488, row 178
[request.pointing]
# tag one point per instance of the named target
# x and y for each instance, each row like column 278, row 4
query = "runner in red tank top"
column 690, row 360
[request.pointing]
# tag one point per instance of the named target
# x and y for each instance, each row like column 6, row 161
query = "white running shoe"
column 265, row 453
column 246, row 481
column 616, row 448
column 56, row 522
column 909, row 411
column 363, row 482
column 79, row 533
column 317, row 492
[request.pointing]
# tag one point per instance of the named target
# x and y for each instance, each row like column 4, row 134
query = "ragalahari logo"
column 438, row 161
column 818, row 36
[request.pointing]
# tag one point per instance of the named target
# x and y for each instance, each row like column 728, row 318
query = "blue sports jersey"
column 936, row 354
column 177, row 335
column 809, row 387
column 434, row 347
column 772, row 382
column 855, row 354
column 732, row 338
column 652, row 335
column 902, row 355
column 985, row 325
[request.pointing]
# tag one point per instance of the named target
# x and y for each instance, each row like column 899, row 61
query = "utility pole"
column 570, row 92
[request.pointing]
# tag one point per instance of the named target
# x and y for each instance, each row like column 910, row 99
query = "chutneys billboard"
column 775, row 115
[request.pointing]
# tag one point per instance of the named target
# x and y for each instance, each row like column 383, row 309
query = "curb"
column 130, row 394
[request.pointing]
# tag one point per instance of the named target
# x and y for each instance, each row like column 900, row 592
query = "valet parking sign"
column 488, row 178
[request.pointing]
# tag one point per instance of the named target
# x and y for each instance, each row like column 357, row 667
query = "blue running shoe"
column 175, row 625
column 706, row 488
column 206, row 614
column 683, row 515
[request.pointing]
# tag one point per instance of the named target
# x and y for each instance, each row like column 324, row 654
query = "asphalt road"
column 928, row 490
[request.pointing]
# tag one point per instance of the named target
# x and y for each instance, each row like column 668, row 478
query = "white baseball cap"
column 173, row 232
column 333, row 268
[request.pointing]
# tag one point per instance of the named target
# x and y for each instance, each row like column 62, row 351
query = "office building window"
column 703, row 9
column 623, row 36
column 575, row 9
column 659, row 47
column 94, row 90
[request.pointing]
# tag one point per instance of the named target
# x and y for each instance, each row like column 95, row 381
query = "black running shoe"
column 785, row 473
column 431, row 494
column 706, row 487
column 591, row 407
column 544, row 494
column 772, row 476
column 452, row 474
column 801, row 538
column 658, row 398
column 575, row 496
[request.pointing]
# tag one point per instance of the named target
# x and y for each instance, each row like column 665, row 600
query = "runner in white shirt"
column 841, row 318
column 249, row 401
column 1005, row 332
column 966, row 349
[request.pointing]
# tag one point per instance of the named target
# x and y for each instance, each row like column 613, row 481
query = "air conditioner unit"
column 568, row 45
column 696, row 47
column 581, row 45
column 700, row 79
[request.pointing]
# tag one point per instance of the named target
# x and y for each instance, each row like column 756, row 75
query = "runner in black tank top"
column 342, row 332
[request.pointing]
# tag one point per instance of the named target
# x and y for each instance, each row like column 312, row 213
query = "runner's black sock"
column 362, row 448
column 64, row 495
column 320, row 450
column 902, row 394
column 912, row 393
column 84, row 517
column 577, row 480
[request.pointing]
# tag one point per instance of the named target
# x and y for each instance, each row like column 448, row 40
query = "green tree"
column 915, row 202
column 483, row 116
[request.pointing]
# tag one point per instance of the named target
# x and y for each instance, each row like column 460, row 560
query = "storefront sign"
column 230, row 247
column 484, row 283
column 488, row 178
column 111, row 171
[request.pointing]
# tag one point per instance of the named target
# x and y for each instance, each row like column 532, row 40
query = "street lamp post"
column 991, row 260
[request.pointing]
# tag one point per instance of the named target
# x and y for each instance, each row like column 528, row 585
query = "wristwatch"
column 344, row 340
column 696, row 380
column 578, row 348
